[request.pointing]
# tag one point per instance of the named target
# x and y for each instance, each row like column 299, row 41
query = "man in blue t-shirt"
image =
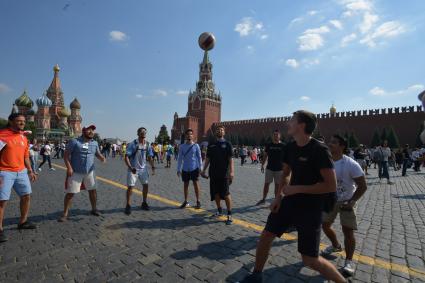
column 79, row 160
column 191, row 161
column 136, row 157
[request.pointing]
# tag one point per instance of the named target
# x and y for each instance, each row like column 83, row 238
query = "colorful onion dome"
column 43, row 101
column 64, row 112
column 24, row 100
column 75, row 104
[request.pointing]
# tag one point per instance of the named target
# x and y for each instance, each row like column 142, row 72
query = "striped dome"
column 24, row 100
column 43, row 101
column 75, row 104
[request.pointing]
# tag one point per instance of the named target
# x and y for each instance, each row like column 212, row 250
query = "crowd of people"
column 314, row 180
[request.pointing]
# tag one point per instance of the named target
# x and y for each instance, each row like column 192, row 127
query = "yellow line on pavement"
column 290, row 237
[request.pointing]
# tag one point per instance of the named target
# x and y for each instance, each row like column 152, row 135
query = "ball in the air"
column 206, row 41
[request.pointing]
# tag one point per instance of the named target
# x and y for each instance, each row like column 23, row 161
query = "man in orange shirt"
column 15, row 170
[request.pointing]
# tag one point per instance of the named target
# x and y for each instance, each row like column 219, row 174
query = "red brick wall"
column 406, row 124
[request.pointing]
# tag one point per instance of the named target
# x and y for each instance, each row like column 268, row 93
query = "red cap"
column 93, row 127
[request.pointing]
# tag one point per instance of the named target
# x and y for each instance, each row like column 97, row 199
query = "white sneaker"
column 349, row 267
column 330, row 250
column 39, row 169
column 52, row 169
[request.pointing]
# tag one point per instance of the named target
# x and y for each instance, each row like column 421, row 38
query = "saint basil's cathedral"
column 53, row 120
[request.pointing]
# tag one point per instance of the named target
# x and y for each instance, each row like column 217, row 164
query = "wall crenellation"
column 343, row 114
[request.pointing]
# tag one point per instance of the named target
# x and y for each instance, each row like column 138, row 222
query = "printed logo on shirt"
column 223, row 145
column 303, row 159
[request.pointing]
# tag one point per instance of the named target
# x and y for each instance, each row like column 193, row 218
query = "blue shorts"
column 18, row 180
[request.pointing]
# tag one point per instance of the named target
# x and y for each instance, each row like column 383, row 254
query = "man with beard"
column 79, row 160
column 15, row 170
column 221, row 172
column 136, row 157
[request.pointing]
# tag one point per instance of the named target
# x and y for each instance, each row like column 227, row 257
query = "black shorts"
column 168, row 157
column 190, row 176
column 219, row 186
column 308, row 223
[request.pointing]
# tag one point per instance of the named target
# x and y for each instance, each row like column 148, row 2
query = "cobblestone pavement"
column 168, row 244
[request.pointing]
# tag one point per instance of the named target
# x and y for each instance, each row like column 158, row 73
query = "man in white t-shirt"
column 351, row 185
column 46, row 152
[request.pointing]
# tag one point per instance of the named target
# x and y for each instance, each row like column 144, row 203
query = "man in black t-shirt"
column 273, row 155
column 308, row 180
column 221, row 172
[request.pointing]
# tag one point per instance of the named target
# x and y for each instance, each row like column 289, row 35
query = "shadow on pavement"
column 287, row 273
column 414, row 197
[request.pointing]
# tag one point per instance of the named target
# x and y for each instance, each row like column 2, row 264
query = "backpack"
column 136, row 145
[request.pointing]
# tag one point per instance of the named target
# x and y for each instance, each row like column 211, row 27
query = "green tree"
column 376, row 139
column 418, row 136
column 353, row 141
column 163, row 136
column 30, row 126
column 384, row 135
column 393, row 139
column 316, row 133
column 3, row 123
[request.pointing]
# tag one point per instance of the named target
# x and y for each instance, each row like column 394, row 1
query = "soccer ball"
column 206, row 41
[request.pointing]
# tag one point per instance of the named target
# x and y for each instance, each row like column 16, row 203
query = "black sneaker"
column 229, row 220
column 256, row 277
column 184, row 204
column 95, row 212
column 3, row 237
column 198, row 205
column 261, row 202
column 145, row 206
column 127, row 210
column 27, row 225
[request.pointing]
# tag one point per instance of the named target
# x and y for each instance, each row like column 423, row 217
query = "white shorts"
column 142, row 175
column 74, row 182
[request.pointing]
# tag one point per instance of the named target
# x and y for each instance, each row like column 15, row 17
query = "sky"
column 131, row 63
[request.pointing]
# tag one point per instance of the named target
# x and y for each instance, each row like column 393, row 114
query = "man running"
column 15, row 170
column 138, row 153
column 274, row 155
column 351, row 185
column 79, row 160
column 308, row 180
column 221, row 172
column 189, row 165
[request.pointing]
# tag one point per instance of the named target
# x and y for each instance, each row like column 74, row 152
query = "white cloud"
column 411, row 90
column 347, row 39
column 312, row 12
column 248, row 26
column 368, row 22
column 292, row 63
column 160, row 92
column 311, row 62
column 322, row 29
column 386, row 30
column 305, row 98
column 337, row 24
column 117, row 35
column 139, row 95
column 347, row 14
column 310, row 41
column 264, row 36
column 358, row 5
column 4, row 88
column 182, row 92
column 295, row 21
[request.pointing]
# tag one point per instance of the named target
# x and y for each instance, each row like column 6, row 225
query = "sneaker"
column 95, row 212
column 198, row 205
column 390, row 183
column 3, row 237
column 330, row 250
column 184, row 204
column 255, row 277
column 52, row 169
column 229, row 220
column 145, row 206
column 217, row 214
column 63, row 218
column 39, row 169
column 261, row 202
column 27, row 225
column 127, row 209
column 349, row 267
